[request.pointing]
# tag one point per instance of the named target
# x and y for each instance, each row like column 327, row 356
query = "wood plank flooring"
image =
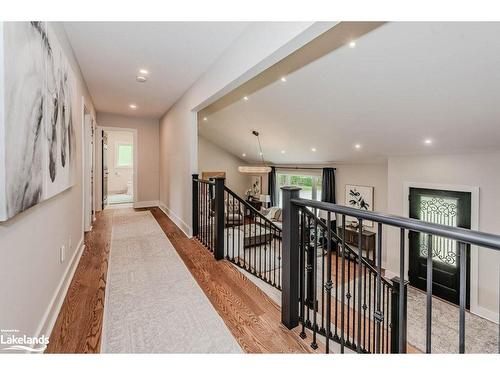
column 251, row 316
column 79, row 324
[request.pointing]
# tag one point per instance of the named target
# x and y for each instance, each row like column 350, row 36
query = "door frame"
column 474, row 225
column 85, row 172
column 135, row 150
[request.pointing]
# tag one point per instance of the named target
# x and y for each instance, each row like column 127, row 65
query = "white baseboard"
column 177, row 220
column 49, row 319
column 145, row 204
column 486, row 314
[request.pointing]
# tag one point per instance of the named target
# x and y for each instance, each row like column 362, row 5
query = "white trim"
column 85, row 168
column 177, row 220
column 49, row 318
column 144, row 204
column 3, row 194
column 135, row 150
column 474, row 250
column 487, row 314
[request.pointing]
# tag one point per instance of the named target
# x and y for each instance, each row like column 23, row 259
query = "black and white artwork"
column 37, row 139
column 360, row 197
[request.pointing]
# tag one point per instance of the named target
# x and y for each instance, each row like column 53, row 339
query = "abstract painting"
column 360, row 197
column 37, row 97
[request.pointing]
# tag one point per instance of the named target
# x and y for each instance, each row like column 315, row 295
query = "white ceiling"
column 175, row 53
column 401, row 84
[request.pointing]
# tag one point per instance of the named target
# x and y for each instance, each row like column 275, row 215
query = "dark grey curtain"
column 328, row 190
column 328, row 185
column 271, row 186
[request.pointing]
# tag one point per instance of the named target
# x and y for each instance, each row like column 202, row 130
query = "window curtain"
column 328, row 190
column 328, row 185
column 271, row 186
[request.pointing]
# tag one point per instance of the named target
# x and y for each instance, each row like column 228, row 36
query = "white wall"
column 475, row 170
column 147, row 148
column 212, row 158
column 118, row 177
column 261, row 45
column 30, row 272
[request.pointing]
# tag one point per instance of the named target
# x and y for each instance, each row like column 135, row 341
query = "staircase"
column 328, row 289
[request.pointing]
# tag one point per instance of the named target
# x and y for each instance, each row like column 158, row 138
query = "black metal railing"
column 331, row 289
column 369, row 312
column 204, row 212
column 234, row 230
column 251, row 240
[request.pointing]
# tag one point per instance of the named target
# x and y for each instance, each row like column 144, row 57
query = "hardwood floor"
column 251, row 316
column 79, row 324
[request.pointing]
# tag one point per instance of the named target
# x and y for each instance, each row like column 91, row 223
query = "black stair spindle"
column 342, row 293
column 323, row 254
column 379, row 316
column 360, row 273
column 336, row 319
column 428, row 343
column 401, row 319
column 463, row 280
column 314, row 344
column 328, row 285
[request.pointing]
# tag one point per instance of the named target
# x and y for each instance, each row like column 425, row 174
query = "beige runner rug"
column 152, row 303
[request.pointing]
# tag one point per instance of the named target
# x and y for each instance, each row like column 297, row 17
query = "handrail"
column 473, row 237
column 338, row 239
column 252, row 209
column 204, row 181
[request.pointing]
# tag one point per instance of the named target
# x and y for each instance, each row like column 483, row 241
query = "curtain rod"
column 319, row 168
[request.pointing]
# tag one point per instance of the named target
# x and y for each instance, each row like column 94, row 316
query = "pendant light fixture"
column 256, row 169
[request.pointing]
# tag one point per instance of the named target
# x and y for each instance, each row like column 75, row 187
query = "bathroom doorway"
column 118, row 159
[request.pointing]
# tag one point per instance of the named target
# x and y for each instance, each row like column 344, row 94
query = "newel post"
column 290, row 259
column 195, row 213
column 395, row 315
column 219, row 218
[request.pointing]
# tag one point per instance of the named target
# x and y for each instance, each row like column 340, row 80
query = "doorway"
column 88, row 169
column 118, row 166
column 445, row 207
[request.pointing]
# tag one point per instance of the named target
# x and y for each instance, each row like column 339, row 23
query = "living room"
column 385, row 140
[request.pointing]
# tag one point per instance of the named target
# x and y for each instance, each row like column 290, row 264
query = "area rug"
column 152, row 302
column 119, row 198
column 481, row 335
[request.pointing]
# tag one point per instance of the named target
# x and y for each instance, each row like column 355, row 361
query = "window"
column 124, row 155
column 310, row 185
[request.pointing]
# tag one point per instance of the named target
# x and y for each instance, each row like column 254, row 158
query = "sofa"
column 274, row 214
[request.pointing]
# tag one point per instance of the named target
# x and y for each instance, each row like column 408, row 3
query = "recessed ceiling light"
column 282, row 151
column 141, row 79
column 357, row 145
column 245, row 98
column 132, row 106
column 428, row 141
column 283, row 79
column 243, row 155
column 352, row 44
column 205, row 118
column 313, row 149
column 143, row 71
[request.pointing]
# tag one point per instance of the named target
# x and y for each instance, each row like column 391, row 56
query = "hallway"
column 251, row 317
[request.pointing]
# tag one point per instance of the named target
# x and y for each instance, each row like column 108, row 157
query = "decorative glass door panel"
column 451, row 208
column 440, row 211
